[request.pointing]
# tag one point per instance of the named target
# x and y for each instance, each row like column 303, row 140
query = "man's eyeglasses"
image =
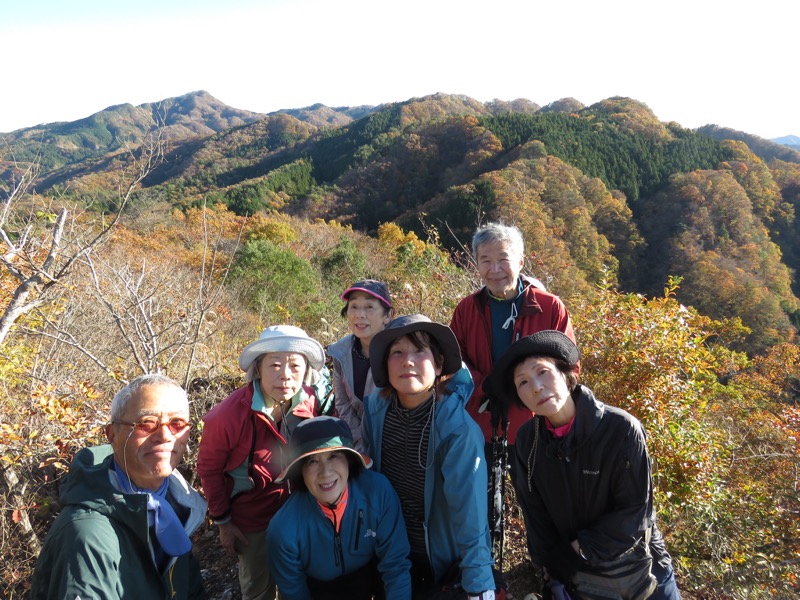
column 149, row 425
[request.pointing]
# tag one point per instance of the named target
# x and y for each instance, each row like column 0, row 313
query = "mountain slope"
column 320, row 115
column 765, row 149
column 58, row 144
column 792, row 141
column 605, row 194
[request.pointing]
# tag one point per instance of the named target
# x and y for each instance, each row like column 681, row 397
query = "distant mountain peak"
column 792, row 141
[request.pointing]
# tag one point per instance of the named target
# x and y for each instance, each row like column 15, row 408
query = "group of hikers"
column 383, row 492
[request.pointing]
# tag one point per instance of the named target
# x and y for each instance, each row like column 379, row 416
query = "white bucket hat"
column 283, row 338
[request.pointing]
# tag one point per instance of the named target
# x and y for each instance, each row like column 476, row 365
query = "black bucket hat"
column 397, row 328
column 320, row 434
column 551, row 343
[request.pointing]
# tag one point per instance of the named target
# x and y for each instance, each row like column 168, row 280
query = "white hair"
column 122, row 397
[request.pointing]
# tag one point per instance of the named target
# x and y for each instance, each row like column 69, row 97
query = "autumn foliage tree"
column 725, row 449
column 703, row 229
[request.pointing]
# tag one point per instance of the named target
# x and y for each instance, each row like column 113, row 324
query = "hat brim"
column 366, row 461
column 308, row 347
column 379, row 347
column 346, row 295
column 499, row 385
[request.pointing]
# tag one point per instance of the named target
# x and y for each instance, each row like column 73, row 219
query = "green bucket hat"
column 320, row 434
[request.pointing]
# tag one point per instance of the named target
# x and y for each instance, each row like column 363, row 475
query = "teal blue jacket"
column 99, row 545
column 302, row 541
column 456, row 511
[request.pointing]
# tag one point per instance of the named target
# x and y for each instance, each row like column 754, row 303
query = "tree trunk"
column 15, row 502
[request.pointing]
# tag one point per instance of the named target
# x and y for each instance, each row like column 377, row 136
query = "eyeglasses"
column 149, row 425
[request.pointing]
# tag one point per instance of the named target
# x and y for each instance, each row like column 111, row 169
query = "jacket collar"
column 529, row 303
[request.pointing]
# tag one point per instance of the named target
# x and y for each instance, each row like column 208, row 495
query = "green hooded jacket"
column 99, row 545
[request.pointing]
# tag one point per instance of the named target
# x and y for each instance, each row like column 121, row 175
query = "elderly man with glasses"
column 127, row 513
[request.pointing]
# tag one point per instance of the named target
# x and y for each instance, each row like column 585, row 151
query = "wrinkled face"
column 148, row 458
column 499, row 269
column 366, row 316
column 412, row 372
column 543, row 388
column 281, row 374
column 325, row 475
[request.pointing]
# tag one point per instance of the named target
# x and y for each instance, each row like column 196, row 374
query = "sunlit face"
column 325, row 475
column 543, row 388
column 281, row 374
column 412, row 372
column 499, row 268
column 149, row 458
column 366, row 316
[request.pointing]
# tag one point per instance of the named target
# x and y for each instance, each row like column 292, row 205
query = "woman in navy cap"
column 341, row 535
column 368, row 308
column 582, row 475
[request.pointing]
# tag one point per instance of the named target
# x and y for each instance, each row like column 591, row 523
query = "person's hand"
column 229, row 536
column 577, row 547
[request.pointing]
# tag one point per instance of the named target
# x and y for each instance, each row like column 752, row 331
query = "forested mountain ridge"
column 675, row 254
column 604, row 192
column 320, row 115
column 792, row 141
column 119, row 127
column 782, row 148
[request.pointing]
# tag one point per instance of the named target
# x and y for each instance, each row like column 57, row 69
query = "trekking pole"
column 503, row 462
column 499, row 419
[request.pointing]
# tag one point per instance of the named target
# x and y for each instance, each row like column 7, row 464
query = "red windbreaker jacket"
column 472, row 324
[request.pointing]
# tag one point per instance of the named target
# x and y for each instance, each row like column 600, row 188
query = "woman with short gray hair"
column 243, row 442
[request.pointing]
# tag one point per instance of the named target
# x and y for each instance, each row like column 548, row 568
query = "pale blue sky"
column 690, row 61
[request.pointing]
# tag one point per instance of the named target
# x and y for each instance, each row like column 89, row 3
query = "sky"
column 695, row 62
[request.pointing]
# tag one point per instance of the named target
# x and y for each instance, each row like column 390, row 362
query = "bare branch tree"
column 206, row 295
column 40, row 257
column 156, row 315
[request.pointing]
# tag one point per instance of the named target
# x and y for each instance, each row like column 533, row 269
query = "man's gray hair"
column 498, row 232
column 122, row 397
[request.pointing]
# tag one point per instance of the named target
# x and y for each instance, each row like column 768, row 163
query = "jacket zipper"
column 337, row 545
column 358, row 527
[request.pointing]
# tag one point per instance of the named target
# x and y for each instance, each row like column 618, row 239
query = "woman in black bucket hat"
column 421, row 437
column 582, row 475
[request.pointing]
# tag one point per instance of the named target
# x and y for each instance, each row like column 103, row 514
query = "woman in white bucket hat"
column 244, row 437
